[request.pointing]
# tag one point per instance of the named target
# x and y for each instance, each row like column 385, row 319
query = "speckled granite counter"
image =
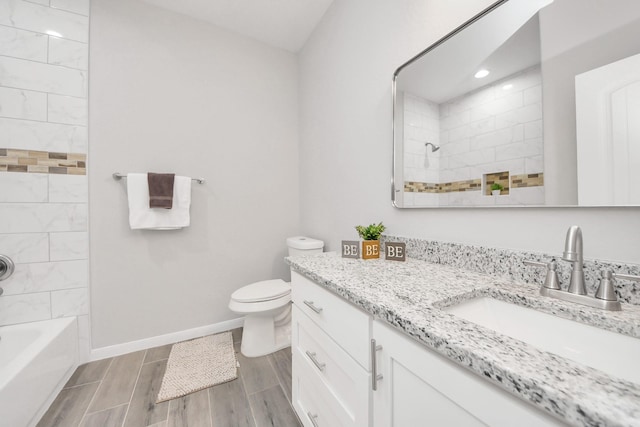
column 410, row 295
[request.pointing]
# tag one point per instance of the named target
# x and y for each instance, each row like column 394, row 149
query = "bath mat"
column 198, row 364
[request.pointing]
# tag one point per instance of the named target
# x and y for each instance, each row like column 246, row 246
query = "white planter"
column 495, row 192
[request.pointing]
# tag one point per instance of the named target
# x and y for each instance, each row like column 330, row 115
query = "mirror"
column 530, row 103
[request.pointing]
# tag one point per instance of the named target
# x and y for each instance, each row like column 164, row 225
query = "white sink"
column 610, row 352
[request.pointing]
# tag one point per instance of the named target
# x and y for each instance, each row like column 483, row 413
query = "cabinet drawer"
column 340, row 374
column 346, row 324
column 313, row 401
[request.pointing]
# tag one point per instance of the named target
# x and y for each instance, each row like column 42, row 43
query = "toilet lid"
column 262, row 291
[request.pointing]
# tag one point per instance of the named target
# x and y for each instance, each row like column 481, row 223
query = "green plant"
column 371, row 232
column 495, row 186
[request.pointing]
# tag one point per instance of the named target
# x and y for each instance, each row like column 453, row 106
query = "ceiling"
column 285, row 24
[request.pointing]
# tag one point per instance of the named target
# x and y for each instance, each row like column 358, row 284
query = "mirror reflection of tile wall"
column 492, row 130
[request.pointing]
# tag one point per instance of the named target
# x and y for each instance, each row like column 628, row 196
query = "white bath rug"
column 198, row 364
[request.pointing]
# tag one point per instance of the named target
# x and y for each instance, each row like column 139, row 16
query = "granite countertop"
column 410, row 296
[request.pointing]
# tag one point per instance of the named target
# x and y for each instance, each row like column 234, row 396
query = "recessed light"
column 507, row 87
column 481, row 74
column 53, row 33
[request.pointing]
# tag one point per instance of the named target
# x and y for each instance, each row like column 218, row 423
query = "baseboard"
column 128, row 347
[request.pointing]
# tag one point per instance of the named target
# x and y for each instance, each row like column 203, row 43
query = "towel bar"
column 119, row 176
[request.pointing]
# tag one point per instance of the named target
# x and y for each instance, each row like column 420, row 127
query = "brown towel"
column 160, row 190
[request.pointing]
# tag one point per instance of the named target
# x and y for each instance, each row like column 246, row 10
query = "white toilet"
column 266, row 306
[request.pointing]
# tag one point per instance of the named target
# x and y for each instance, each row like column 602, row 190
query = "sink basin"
column 610, row 352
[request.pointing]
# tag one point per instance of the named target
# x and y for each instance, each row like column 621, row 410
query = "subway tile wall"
column 43, row 125
column 493, row 129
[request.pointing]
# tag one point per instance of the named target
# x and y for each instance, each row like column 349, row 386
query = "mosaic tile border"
column 445, row 187
column 527, row 180
column 32, row 161
column 509, row 264
column 515, row 181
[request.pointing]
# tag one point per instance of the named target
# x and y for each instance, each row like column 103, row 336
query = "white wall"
column 173, row 94
column 43, row 136
column 345, row 150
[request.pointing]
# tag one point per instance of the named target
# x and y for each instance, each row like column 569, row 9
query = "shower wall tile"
column 55, row 137
column 68, row 110
column 533, row 95
column 42, row 217
column 68, row 53
column 25, row 308
column 68, row 188
column 24, row 187
column 18, row 73
column 43, row 146
column 27, row 247
column 533, row 164
column 518, row 150
column 76, row 6
column 23, row 44
column 42, row 19
column 23, row 104
column 70, row 302
column 47, row 276
column 499, row 137
column 533, row 129
column 525, row 114
column 69, row 246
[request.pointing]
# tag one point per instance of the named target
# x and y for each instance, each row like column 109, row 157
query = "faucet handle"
column 607, row 288
column 551, row 281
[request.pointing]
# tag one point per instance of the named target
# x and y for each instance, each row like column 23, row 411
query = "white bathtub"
column 36, row 359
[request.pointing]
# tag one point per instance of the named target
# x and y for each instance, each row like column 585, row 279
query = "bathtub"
column 36, row 359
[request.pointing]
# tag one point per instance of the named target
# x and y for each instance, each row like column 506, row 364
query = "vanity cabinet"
column 419, row 387
column 334, row 360
column 330, row 356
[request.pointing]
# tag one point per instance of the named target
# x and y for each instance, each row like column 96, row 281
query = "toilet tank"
column 299, row 245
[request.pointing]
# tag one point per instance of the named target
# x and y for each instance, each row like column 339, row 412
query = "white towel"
column 141, row 216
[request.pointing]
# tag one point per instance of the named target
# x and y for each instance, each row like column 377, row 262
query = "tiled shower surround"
column 492, row 130
column 43, row 159
column 506, row 263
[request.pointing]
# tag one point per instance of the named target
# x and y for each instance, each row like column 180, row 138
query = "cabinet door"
column 422, row 388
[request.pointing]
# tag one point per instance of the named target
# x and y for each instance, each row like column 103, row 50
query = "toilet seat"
column 266, row 290
column 261, row 297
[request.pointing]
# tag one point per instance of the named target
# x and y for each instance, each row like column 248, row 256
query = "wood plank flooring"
column 121, row 392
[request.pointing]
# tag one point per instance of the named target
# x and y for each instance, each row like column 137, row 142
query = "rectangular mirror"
column 530, row 103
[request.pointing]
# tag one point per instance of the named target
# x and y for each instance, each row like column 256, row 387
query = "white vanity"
column 372, row 347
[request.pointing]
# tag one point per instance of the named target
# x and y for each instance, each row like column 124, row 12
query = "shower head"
column 434, row 147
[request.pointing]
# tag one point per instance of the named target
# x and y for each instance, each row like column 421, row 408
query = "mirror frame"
column 393, row 110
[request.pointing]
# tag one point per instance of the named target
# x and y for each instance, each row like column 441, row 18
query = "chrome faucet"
column 573, row 253
column 605, row 297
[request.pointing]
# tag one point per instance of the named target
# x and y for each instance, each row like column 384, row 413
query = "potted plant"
column 496, row 189
column 371, row 240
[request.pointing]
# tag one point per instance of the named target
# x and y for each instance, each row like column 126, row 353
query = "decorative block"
column 395, row 251
column 370, row 249
column 350, row 249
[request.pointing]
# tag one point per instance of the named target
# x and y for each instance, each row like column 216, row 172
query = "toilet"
column 266, row 306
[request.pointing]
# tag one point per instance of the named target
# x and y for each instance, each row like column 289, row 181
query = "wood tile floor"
column 121, row 391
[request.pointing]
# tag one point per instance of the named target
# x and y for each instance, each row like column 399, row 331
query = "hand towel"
column 141, row 216
column 160, row 190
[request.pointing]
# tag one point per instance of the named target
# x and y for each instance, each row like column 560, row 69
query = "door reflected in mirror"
column 487, row 116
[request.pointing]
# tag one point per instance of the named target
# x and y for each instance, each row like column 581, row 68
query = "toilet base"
column 265, row 333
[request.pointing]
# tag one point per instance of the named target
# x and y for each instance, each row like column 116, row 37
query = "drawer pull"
column 375, row 377
column 312, row 307
column 312, row 356
column 313, row 417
